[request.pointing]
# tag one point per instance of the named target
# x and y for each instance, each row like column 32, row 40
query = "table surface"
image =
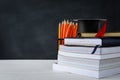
column 38, row 70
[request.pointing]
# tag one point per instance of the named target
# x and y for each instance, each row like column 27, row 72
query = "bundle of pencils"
column 66, row 29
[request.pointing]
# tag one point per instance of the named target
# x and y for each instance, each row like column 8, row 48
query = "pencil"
column 59, row 42
column 74, row 31
column 68, row 30
column 64, row 27
column 61, row 30
column 76, row 28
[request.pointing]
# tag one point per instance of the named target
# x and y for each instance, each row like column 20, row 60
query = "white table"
column 38, row 70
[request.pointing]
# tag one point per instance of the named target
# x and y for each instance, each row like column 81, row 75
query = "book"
column 91, row 64
column 89, row 67
column 104, row 42
column 89, row 50
column 85, row 72
column 88, row 61
column 90, row 56
column 107, row 34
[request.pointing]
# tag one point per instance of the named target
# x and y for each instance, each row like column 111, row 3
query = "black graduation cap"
column 89, row 25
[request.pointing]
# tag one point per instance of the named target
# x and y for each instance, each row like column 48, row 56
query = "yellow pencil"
column 59, row 30
column 59, row 41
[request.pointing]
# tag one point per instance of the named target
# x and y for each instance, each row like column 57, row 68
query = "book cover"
column 103, row 42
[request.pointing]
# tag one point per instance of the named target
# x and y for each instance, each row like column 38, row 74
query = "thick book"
column 90, row 56
column 108, row 34
column 89, row 50
column 85, row 72
column 104, row 42
column 88, row 67
column 88, row 63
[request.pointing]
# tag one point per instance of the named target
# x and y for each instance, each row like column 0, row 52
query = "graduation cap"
column 92, row 26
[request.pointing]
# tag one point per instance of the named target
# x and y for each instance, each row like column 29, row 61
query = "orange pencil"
column 62, row 33
column 74, row 31
column 71, row 30
column 66, row 28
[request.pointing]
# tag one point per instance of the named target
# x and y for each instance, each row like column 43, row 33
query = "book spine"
column 110, row 42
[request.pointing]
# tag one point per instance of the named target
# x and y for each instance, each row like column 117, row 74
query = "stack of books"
column 93, row 57
column 93, row 52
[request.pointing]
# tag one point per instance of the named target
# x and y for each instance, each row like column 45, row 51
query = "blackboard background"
column 28, row 28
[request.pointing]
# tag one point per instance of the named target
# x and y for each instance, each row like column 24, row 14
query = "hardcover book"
column 104, row 42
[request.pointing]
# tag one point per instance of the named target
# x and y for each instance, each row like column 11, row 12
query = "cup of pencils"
column 66, row 29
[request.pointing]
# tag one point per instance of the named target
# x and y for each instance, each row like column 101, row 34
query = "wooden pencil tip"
column 70, row 23
column 59, row 23
column 67, row 21
column 73, row 23
column 64, row 21
column 76, row 24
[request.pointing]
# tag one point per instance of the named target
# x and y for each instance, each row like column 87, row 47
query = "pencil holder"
column 60, row 41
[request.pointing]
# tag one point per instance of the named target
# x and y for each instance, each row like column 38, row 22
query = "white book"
column 89, row 50
column 83, row 41
column 99, row 63
column 104, row 42
column 90, row 56
column 85, row 72
column 88, row 66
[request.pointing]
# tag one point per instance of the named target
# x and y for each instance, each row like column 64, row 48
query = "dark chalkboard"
column 28, row 28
